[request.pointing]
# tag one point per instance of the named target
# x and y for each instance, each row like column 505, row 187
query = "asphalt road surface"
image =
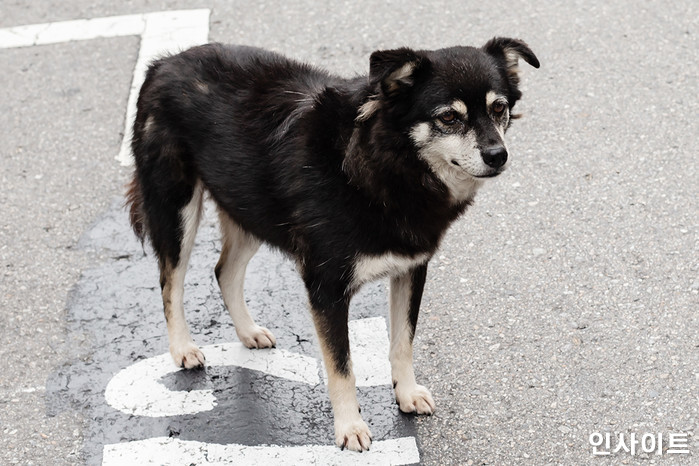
column 560, row 321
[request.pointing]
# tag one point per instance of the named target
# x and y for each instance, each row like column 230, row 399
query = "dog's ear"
column 395, row 70
column 508, row 52
column 511, row 50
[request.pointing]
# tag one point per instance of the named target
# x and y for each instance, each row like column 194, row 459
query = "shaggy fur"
column 354, row 179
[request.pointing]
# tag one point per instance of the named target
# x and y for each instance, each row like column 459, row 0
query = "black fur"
column 418, row 276
column 279, row 147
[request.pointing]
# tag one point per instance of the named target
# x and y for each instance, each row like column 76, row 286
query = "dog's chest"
column 368, row 268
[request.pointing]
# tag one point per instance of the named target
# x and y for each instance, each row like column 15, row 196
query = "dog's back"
column 229, row 116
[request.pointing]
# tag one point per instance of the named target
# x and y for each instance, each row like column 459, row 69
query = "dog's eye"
column 499, row 108
column 448, row 117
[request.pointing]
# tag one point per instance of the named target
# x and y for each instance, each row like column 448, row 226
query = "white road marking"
column 172, row 451
column 369, row 348
column 161, row 33
column 65, row 31
column 137, row 389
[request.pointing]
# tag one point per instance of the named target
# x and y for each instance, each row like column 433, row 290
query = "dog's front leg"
column 406, row 293
column 330, row 316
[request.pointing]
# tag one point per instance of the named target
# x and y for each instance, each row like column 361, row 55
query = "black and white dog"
column 355, row 179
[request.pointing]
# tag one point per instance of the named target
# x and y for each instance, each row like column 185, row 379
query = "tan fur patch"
column 401, row 76
column 166, row 272
column 202, row 87
column 367, row 110
column 460, row 107
column 148, row 125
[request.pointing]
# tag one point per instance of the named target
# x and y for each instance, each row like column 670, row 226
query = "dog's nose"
column 494, row 156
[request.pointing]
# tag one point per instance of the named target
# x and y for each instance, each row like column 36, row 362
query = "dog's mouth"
column 489, row 175
column 492, row 174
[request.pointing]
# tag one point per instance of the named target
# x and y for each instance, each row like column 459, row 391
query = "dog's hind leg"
column 172, row 272
column 406, row 293
column 237, row 250
column 166, row 203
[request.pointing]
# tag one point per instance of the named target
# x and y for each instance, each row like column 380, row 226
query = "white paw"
column 187, row 355
column 414, row 399
column 256, row 337
column 354, row 436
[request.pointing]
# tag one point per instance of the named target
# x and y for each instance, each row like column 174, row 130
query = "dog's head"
column 454, row 105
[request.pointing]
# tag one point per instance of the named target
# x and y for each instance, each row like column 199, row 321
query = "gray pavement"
column 562, row 305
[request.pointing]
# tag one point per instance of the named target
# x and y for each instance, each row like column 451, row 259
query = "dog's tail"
column 134, row 202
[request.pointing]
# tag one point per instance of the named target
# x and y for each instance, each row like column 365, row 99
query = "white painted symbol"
column 138, row 390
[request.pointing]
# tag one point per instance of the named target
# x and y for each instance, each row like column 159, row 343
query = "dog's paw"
column 187, row 355
column 354, row 436
column 257, row 337
column 416, row 399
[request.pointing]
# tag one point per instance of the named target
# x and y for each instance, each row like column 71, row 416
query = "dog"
column 354, row 179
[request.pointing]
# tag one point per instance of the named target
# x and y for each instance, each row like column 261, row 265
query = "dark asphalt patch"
column 115, row 320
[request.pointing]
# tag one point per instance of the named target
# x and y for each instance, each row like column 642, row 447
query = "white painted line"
column 171, row 451
column 161, row 33
column 137, row 389
column 65, row 31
